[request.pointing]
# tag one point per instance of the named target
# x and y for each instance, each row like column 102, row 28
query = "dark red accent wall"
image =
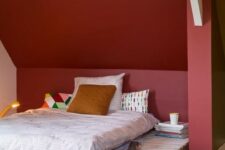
column 168, row 88
column 139, row 34
column 200, row 80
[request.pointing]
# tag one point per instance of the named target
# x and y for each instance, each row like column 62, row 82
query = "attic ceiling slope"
column 145, row 34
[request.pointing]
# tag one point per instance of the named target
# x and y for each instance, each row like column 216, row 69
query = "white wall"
column 8, row 91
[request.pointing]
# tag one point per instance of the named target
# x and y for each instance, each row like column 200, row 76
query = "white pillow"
column 135, row 101
column 116, row 80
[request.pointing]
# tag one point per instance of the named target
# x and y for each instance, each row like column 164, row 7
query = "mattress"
column 48, row 129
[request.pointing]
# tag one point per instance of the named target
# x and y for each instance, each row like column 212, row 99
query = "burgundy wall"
column 200, row 81
column 168, row 88
column 138, row 34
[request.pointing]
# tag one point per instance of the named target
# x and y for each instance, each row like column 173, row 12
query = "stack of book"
column 166, row 129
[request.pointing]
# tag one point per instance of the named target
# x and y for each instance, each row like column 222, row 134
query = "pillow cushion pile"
column 116, row 80
column 92, row 99
column 57, row 101
column 135, row 101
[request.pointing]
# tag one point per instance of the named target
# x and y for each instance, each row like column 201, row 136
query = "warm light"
column 14, row 104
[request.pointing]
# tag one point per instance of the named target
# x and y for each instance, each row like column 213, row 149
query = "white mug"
column 174, row 117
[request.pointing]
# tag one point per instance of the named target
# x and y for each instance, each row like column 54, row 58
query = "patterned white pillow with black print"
column 135, row 101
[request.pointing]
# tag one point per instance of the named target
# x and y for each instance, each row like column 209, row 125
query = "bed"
column 49, row 129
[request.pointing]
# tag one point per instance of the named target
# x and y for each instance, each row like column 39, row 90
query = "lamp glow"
column 14, row 104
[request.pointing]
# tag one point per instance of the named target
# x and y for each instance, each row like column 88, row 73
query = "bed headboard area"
column 168, row 88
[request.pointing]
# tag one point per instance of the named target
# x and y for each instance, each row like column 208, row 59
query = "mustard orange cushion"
column 92, row 99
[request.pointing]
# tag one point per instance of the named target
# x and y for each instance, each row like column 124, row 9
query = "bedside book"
column 165, row 129
column 173, row 132
column 180, row 125
column 169, row 135
column 170, row 129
